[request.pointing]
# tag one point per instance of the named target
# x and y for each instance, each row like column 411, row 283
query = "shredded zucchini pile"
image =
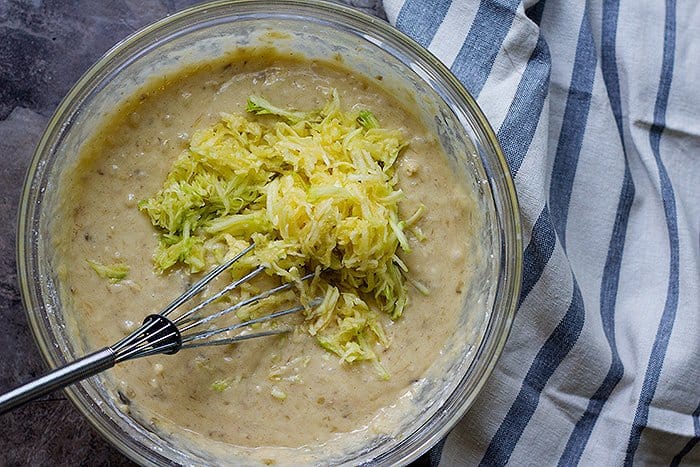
column 315, row 191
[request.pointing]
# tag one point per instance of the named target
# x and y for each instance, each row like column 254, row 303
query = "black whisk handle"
column 59, row 378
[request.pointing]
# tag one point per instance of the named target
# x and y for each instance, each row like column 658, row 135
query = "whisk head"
column 167, row 331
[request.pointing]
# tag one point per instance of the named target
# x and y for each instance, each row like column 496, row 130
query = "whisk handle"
column 59, row 378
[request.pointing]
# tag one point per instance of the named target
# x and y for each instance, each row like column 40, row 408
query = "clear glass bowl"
column 319, row 30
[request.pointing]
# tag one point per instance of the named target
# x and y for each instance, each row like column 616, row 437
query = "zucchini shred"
column 315, row 191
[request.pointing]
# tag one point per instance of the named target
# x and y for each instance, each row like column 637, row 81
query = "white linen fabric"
column 597, row 107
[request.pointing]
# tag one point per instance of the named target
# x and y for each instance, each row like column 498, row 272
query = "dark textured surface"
column 45, row 46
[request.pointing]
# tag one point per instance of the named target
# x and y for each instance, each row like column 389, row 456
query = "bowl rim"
column 509, row 280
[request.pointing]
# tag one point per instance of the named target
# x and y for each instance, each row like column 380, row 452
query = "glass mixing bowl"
column 323, row 31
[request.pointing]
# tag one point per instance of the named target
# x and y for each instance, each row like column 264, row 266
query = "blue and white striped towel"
column 597, row 106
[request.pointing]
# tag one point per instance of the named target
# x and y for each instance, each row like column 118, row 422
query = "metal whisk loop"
column 148, row 327
column 242, row 304
column 278, row 314
column 203, row 282
column 161, row 334
column 232, row 286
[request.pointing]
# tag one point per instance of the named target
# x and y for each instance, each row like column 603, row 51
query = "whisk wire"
column 185, row 317
column 261, row 319
column 203, row 282
column 191, row 292
column 236, row 339
column 160, row 334
column 243, row 303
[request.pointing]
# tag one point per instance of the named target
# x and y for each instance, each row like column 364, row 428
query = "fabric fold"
column 603, row 364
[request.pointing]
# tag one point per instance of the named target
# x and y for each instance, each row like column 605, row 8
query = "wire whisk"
column 167, row 332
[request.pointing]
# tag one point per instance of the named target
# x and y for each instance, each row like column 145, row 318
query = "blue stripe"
column 611, row 271
column 546, row 362
column 515, row 135
column 578, row 104
column 663, row 333
column 565, row 335
column 537, row 254
column 478, row 53
column 535, row 12
column 692, row 442
column 518, row 128
column 608, row 64
column 611, row 275
column 421, row 20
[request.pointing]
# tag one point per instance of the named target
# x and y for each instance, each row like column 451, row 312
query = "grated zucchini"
column 114, row 272
column 314, row 191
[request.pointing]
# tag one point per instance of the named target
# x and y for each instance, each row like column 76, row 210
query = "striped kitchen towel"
column 597, row 106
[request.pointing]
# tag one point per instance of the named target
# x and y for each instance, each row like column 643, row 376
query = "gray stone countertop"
column 45, row 46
